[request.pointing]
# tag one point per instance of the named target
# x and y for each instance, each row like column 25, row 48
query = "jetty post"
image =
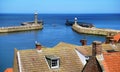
column 36, row 18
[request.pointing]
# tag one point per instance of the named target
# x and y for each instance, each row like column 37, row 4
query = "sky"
column 60, row 6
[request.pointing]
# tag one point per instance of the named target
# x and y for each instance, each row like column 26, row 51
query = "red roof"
column 9, row 70
column 111, row 62
column 117, row 37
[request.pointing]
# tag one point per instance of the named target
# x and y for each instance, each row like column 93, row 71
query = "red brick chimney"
column 83, row 42
column 38, row 46
column 96, row 48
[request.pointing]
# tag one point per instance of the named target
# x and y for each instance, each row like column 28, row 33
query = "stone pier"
column 20, row 28
column 25, row 26
column 93, row 30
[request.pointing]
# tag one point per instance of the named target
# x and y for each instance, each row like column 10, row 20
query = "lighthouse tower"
column 75, row 20
column 36, row 18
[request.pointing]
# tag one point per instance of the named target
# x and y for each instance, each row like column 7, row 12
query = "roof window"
column 53, row 61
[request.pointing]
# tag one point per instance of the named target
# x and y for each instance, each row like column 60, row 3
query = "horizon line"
column 60, row 13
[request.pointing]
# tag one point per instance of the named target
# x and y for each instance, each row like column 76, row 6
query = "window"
column 53, row 61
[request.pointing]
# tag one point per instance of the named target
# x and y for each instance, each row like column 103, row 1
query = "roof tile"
column 117, row 37
column 32, row 61
column 112, row 62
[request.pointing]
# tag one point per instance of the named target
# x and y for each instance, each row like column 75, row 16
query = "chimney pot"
column 38, row 46
column 108, row 38
column 112, row 41
column 83, row 42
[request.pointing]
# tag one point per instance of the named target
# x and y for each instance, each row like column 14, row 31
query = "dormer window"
column 53, row 61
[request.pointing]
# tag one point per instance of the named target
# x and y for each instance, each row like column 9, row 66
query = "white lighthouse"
column 36, row 18
column 75, row 20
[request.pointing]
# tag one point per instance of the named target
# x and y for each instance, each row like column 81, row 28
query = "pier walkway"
column 20, row 28
column 34, row 25
column 93, row 30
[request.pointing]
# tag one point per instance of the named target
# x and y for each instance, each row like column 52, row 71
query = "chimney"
column 83, row 42
column 96, row 48
column 112, row 41
column 38, row 46
column 108, row 38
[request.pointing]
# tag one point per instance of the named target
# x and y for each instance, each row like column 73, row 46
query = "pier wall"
column 20, row 28
column 95, row 31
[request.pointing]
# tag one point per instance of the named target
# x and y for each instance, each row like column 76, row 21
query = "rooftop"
column 51, row 56
column 116, row 37
column 92, row 65
column 111, row 62
column 9, row 70
column 87, row 50
column 33, row 61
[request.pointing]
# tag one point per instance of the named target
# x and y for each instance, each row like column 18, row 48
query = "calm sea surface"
column 54, row 31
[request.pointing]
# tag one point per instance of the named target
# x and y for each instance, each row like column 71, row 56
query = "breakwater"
column 20, row 28
column 33, row 25
column 93, row 30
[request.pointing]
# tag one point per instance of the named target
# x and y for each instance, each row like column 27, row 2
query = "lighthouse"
column 75, row 20
column 36, row 18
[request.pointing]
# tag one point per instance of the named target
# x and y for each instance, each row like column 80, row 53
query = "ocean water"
column 54, row 31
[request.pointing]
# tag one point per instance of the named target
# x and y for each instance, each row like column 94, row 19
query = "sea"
column 54, row 32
